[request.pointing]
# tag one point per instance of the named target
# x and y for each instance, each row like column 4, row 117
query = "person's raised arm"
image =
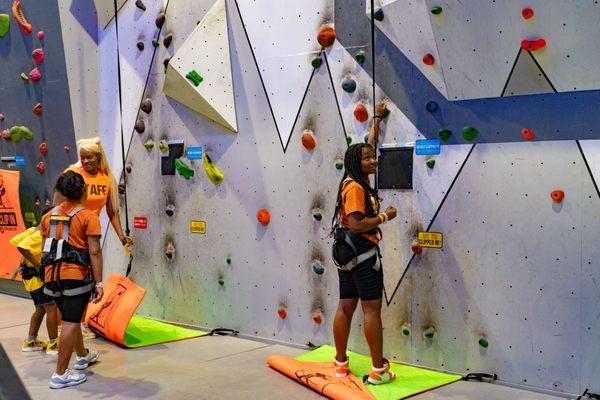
column 380, row 109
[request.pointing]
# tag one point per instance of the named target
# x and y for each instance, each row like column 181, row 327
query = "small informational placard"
column 424, row 147
column 29, row 217
column 434, row 240
column 140, row 222
column 194, row 153
column 20, row 161
column 198, row 227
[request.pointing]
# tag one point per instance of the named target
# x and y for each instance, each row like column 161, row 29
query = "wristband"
column 99, row 285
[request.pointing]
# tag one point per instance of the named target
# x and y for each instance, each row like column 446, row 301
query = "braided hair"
column 352, row 170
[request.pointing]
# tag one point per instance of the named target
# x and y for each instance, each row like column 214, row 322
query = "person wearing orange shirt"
column 355, row 227
column 72, row 271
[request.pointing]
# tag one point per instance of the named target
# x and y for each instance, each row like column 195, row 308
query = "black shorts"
column 362, row 281
column 72, row 308
column 40, row 298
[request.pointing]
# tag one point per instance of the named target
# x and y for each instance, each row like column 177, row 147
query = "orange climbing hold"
column 527, row 133
column 308, row 140
column 41, row 167
column 326, row 36
column 360, row 113
column 527, row 13
column 317, row 317
column 533, row 45
column 428, row 59
column 282, row 313
column 20, row 18
column 263, row 216
column 43, row 148
column 557, row 195
column 37, row 109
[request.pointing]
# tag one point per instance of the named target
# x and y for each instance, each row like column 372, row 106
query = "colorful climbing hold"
column 557, row 195
column 469, row 133
column 437, row 10
column 1, row 117
column 40, row 35
column 5, row 134
column 149, row 145
column 282, row 313
column 20, row 18
column 4, row 24
column 360, row 113
column 406, row 329
column 37, row 109
column 213, row 173
column 38, row 56
column 366, row 138
column 533, row 45
column 317, row 267
column 428, row 59
column 43, row 148
column 155, row 43
column 128, row 168
column 429, row 333
column 444, row 134
column 317, row 214
column 166, row 62
column 483, row 342
column 24, row 77
column 35, row 75
column 317, row 317
column 146, row 105
column 41, row 167
column 416, row 248
column 170, row 251
column 221, row 281
column 527, row 133
column 194, row 77
column 160, row 20
column 19, row 132
column 67, row 149
column 228, row 261
column 431, row 106
column 316, row 62
column 167, row 40
column 349, row 85
column 430, row 164
column 527, row 13
column 47, row 203
column 326, row 36
column 162, row 146
column 37, row 203
column 348, row 140
column 141, row 46
column 308, row 140
column 140, row 126
column 183, row 169
column 339, row 164
column 378, row 14
column 360, row 57
column 139, row 4
column 386, row 113
column 121, row 188
column 263, row 216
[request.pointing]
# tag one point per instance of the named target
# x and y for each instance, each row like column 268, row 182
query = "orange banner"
column 11, row 222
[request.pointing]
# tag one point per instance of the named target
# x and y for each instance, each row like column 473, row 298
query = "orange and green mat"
column 315, row 370
column 146, row 332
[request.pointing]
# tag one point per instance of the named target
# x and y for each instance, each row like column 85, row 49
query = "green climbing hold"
column 316, row 62
column 221, row 281
column 429, row 333
column 483, row 342
column 405, row 330
column 360, row 57
column 378, row 14
column 162, row 146
column 24, row 77
column 348, row 139
column 444, row 134
column 386, row 113
column 339, row 164
column 430, row 164
column 229, row 260
column 155, row 43
column 183, row 169
column 194, row 77
column 469, row 133
column 436, row 10
column 4, row 24
column 20, row 132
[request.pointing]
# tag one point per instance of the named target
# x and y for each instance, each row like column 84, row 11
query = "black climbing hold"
column 349, row 85
column 128, row 168
column 366, row 138
column 430, row 164
column 378, row 14
column 317, row 215
column 167, row 40
column 444, row 134
column 431, row 106
column 436, row 10
column 122, row 189
column 146, row 106
column 166, row 62
column 139, row 4
column 160, row 20
column 386, row 113
column 140, row 46
column 360, row 57
column 316, row 62
column 429, row 333
column 140, row 126
column 469, row 133
column 170, row 210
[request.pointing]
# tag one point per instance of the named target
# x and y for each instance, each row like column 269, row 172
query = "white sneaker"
column 69, row 378
column 84, row 362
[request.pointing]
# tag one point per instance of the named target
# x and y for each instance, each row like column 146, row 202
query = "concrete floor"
column 203, row 368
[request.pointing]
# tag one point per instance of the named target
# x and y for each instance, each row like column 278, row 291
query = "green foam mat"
column 409, row 380
column 146, row 332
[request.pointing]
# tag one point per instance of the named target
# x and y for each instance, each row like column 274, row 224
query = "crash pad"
column 146, row 332
column 315, row 370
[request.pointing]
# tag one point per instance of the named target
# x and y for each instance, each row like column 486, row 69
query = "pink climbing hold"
column 38, row 56
column 428, row 59
column 43, row 149
column 41, row 167
column 40, row 35
column 1, row 117
column 5, row 134
column 35, row 75
column 47, row 203
column 527, row 13
column 360, row 113
column 533, row 45
column 37, row 203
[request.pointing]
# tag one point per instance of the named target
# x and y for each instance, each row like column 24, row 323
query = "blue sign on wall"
column 424, row 147
column 20, row 161
column 194, row 153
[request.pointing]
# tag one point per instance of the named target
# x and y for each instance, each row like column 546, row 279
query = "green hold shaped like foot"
column 229, row 260
column 469, row 133
column 162, row 146
column 430, row 164
column 183, row 169
column 483, row 342
column 155, row 43
column 444, row 134
column 429, row 333
column 4, row 24
column 20, row 132
column 339, row 165
column 437, row 10
column 360, row 57
column 316, row 62
column 349, row 139
column 221, row 281
column 194, row 77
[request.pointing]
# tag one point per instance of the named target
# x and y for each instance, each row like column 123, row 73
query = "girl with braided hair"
column 355, row 226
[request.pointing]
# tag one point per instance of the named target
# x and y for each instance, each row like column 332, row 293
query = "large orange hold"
column 360, row 113
column 326, row 36
column 533, row 45
column 20, row 18
column 282, row 313
column 428, row 59
column 317, row 317
column 263, row 216
column 557, row 195
column 527, row 133
column 308, row 140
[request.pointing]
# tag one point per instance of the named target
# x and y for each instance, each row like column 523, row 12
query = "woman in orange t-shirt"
column 360, row 272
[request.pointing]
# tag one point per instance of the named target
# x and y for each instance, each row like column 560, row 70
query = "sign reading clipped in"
column 433, row 240
column 198, row 227
column 424, row 147
column 194, row 153
column 140, row 222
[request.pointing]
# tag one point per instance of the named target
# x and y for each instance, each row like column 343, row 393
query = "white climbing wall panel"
column 205, row 51
column 105, row 10
column 526, row 77
column 283, row 37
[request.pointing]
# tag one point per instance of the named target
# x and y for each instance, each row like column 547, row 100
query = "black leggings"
column 72, row 308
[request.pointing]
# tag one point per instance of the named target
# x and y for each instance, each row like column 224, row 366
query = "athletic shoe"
column 87, row 333
column 379, row 376
column 84, row 362
column 341, row 368
column 52, row 349
column 33, row 345
column 69, row 378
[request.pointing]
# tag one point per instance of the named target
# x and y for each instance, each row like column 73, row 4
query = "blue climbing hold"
column 431, row 106
column 349, row 85
column 378, row 14
column 318, row 268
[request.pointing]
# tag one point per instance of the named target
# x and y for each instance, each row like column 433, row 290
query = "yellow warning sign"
column 433, row 240
column 198, row 227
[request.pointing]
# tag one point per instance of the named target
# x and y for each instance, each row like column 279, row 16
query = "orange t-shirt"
column 83, row 224
column 353, row 200
column 98, row 189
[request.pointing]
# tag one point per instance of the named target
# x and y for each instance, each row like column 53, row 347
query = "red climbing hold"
column 416, row 248
column 533, row 45
column 557, row 195
column 308, row 140
column 47, row 203
column 317, row 317
column 428, row 59
column 38, row 56
column 40, row 35
column 527, row 13
column 41, row 167
column 326, row 36
column 35, row 75
column 263, row 216
column 43, row 148
column 1, row 117
column 37, row 203
column 282, row 313
column 37, row 109
column 527, row 133
column 360, row 113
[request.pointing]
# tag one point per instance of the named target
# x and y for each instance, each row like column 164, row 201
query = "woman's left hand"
column 127, row 241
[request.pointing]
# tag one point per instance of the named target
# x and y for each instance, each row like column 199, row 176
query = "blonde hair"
column 93, row 146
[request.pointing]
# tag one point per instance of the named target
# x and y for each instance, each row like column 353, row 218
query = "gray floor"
column 204, row 368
